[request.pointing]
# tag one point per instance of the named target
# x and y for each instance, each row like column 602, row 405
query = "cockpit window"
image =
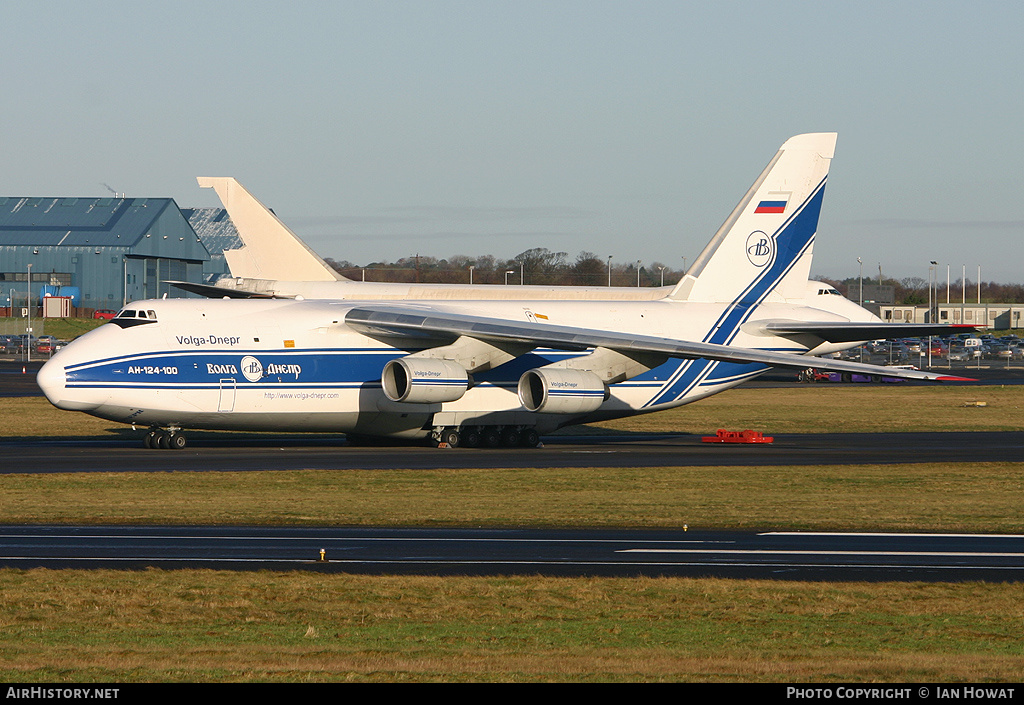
column 131, row 317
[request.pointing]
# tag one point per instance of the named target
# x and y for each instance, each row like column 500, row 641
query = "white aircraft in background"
column 469, row 365
column 274, row 263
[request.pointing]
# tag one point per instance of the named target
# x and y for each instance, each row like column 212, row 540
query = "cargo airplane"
column 472, row 366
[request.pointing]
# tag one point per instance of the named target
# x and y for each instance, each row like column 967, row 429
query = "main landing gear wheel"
column 530, row 438
column 488, row 437
column 471, row 437
column 451, row 437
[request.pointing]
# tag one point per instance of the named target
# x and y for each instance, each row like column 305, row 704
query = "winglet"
column 272, row 250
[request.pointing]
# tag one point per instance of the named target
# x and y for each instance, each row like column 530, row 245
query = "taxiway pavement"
column 630, row 450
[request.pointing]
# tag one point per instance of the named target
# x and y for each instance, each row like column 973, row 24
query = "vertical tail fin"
column 764, row 247
column 272, row 250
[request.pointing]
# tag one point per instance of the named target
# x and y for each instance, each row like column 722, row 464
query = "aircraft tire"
column 177, row 441
column 452, row 437
column 471, row 437
column 163, row 440
column 492, row 436
column 530, row 438
column 150, row 440
column 510, row 437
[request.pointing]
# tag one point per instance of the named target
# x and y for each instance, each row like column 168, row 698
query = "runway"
column 774, row 555
column 226, row 453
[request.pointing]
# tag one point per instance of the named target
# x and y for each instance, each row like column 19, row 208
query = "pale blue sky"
column 379, row 130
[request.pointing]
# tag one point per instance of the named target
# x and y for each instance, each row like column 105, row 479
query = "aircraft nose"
column 51, row 379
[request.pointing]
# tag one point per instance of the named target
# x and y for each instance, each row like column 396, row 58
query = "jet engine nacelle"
column 423, row 380
column 561, row 391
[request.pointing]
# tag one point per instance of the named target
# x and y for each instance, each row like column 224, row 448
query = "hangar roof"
column 81, row 222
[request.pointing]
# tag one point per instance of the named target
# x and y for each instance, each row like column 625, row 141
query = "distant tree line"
column 540, row 266
column 537, row 266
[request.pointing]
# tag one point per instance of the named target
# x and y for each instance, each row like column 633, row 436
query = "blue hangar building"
column 108, row 251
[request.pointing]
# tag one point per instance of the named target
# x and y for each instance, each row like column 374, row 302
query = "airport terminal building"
column 994, row 316
column 102, row 252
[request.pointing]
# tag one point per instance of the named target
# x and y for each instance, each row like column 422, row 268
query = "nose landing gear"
column 160, row 438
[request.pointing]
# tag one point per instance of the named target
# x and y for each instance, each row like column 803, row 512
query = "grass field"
column 155, row 625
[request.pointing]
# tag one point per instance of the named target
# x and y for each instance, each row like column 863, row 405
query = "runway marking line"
column 891, row 535
column 797, row 551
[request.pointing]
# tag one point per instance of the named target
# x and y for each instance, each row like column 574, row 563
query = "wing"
column 421, row 323
column 844, row 332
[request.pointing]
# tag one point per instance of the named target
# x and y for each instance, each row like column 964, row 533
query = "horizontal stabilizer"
column 844, row 332
column 217, row 292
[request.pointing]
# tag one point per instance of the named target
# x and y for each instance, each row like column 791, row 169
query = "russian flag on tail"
column 773, row 203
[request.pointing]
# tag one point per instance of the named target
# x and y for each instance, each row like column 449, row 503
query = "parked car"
column 997, row 350
column 895, row 351
column 962, row 354
column 105, row 313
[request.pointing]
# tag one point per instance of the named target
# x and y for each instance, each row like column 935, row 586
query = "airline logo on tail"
column 760, row 248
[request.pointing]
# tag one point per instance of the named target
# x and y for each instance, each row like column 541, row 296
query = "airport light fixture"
column 931, row 278
column 861, row 263
column 932, row 264
column 511, row 271
column 28, row 325
column 609, row 270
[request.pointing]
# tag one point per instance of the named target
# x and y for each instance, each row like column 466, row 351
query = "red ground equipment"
column 746, row 436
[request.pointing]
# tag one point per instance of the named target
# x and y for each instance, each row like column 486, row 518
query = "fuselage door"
column 227, row 394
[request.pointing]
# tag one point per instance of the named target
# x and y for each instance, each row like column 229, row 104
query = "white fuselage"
column 290, row 365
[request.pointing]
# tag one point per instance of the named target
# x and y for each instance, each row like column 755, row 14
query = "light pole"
column 662, row 275
column 931, row 279
column 861, row 263
column 471, row 267
column 609, row 270
column 638, row 274
column 28, row 327
column 963, row 293
column 511, row 271
column 931, row 316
